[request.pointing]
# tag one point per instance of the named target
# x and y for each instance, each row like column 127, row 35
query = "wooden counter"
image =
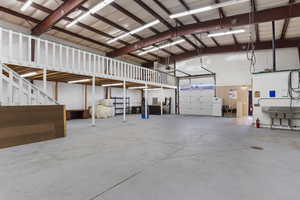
column 28, row 124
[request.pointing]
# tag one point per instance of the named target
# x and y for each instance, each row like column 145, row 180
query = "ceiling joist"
column 62, row 11
column 31, row 19
column 268, row 15
column 286, row 43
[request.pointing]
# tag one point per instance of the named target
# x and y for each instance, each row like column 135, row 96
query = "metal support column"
column 215, row 82
column 93, row 99
column 45, row 80
column 161, row 101
column 124, row 101
column 146, row 101
column 10, row 88
column 274, row 46
column 1, row 85
column 176, row 90
column 177, row 112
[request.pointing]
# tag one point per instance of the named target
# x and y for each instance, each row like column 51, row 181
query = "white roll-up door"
column 196, row 96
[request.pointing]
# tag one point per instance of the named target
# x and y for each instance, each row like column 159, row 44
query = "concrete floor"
column 170, row 157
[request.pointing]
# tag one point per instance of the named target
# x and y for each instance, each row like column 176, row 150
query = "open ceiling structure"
column 122, row 16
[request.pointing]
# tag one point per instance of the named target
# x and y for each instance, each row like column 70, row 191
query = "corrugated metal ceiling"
column 174, row 6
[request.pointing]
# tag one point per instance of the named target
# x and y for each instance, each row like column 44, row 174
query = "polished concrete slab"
column 169, row 157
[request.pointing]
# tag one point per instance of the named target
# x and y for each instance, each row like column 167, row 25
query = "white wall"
column 233, row 68
column 166, row 94
column 72, row 95
column 134, row 95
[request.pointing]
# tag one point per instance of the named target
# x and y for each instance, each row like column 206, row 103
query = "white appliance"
column 217, row 104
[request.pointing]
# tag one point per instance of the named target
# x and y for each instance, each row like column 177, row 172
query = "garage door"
column 195, row 97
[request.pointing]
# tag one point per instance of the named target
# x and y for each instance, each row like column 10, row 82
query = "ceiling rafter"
column 49, row 11
column 253, row 5
column 162, row 20
column 62, row 11
column 267, row 15
column 286, row 22
column 138, row 20
column 113, row 24
column 222, row 15
column 285, row 43
column 160, row 4
column 184, row 4
column 34, row 20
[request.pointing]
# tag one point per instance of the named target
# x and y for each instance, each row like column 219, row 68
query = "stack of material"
column 105, row 109
column 106, row 102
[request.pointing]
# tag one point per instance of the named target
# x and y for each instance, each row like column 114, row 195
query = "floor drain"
column 257, row 148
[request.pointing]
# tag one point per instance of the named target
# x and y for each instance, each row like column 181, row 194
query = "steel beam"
column 286, row 22
column 63, row 10
column 268, row 15
column 34, row 20
column 288, row 43
column 299, row 52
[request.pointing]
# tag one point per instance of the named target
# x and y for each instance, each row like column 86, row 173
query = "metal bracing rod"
column 178, row 70
column 196, row 76
column 124, row 101
column 207, row 70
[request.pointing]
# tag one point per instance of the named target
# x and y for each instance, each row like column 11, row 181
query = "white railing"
column 16, row 48
column 15, row 90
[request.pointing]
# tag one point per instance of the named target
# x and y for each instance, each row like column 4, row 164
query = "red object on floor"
column 257, row 123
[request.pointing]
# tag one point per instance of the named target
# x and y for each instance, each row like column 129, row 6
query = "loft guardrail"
column 16, row 48
column 15, row 90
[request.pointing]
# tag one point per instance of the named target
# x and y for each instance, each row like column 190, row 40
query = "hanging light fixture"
column 26, row 5
column 207, row 8
column 134, row 31
column 161, row 47
column 226, row 33
column 91, row 11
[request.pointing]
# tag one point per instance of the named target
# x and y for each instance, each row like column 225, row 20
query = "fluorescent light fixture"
column 208, row 8
column 93, row 10
column 139, row 87
column 101, row 5
column 78, row 19
column 26, row 5
column 80, row 81
column 113, row 84
column 29, row 74
column 134, row 31
column 161, row 47
column 226, row 33
column 147, row 48
column 171, row 87
column 153, row 89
